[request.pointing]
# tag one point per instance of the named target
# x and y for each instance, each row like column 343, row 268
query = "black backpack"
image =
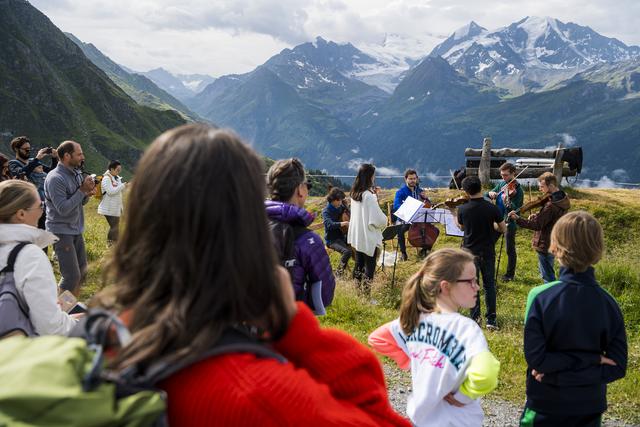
column 284, row 240
column 14, row 313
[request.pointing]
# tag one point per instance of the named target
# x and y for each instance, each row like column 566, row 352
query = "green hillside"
column 51, row 92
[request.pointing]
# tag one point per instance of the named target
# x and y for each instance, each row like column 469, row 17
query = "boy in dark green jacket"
column 574, row 334
column 509, row 196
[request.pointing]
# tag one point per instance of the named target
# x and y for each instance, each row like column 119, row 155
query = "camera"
column 95, row 178
column 48, row 150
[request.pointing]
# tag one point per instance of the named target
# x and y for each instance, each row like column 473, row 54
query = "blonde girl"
column 449, row 359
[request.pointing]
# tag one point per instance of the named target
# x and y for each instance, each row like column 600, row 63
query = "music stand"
column 390, row 233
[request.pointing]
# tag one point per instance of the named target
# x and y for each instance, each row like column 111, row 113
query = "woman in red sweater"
column 196, row 259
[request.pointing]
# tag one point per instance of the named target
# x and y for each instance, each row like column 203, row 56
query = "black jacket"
column 568, row 325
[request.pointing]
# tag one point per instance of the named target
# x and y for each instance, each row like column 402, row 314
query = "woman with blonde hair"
column 450, row 362
column 20, row 209
column 196, row 262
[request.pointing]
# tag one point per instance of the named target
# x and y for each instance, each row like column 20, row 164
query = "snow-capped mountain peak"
column 470, row 30
column 530, row 53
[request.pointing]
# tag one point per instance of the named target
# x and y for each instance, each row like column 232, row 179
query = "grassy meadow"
column 619, row 272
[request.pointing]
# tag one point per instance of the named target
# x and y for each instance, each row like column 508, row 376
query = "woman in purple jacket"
column 289, row 190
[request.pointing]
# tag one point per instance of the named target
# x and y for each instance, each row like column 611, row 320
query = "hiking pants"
column 485, row 266
column 72, row 258
column 345, row 251
column 114, row 222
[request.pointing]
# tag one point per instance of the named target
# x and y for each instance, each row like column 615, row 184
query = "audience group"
column 218, row 252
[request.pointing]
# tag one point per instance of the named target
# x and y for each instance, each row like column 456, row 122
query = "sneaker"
column 492, row 327
column 506, row 278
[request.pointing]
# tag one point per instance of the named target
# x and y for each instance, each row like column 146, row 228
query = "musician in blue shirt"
column 411, row 188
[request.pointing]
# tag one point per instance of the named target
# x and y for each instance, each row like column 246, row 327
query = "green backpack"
column 60, row 381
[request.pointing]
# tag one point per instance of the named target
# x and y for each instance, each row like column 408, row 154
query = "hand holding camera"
column 88, row 185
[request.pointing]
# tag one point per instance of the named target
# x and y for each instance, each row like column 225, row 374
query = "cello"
column 423, row 234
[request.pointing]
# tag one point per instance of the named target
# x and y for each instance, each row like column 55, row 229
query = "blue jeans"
column 545, row 265
column 486, row 266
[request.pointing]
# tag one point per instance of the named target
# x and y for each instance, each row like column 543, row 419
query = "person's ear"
column 445, row 287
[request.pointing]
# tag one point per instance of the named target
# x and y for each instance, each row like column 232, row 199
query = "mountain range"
column 51, row 92
column 534, row 83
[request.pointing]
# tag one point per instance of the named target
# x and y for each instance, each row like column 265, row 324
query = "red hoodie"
column 329, row 379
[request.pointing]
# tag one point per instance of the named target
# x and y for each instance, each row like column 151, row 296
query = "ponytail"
column 416, row 299
column 422, row 289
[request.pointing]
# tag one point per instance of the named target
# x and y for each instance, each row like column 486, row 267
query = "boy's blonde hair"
column 577, row 240
column 420, row 292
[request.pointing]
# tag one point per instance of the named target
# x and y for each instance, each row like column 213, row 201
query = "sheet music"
column 408, row 208
column 412, row 211
column 451, row 228
column 429, row 215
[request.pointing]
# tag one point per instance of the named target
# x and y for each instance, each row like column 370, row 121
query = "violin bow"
column 454, row 180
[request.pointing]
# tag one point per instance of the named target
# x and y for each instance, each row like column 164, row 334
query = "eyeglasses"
column 472, row 282
column 308, row 184
column 40, row 206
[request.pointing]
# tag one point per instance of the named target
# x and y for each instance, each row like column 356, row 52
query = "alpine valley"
column 534, row 83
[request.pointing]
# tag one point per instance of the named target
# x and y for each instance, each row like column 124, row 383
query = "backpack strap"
column 11, row 260
column 233, row 340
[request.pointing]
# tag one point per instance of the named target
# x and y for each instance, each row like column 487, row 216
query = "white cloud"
column 620, row 175
column 234, row 36
column 567, row 139
column 387, row 171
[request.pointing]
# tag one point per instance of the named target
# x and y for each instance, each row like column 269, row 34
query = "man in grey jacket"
column 66, row 191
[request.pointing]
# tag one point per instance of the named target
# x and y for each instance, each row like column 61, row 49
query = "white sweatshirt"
column 366, row 224
column 446, row 352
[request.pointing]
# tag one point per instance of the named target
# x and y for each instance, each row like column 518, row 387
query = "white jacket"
column 34, row 277
column 112, row 188
column 366, row 224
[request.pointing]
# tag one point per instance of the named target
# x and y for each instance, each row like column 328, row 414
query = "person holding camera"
column 32, row 168
column 110, row 206
column 66, row 191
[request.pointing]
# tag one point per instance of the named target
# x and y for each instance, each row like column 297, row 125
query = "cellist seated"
column 334, row 216
column 410, row 188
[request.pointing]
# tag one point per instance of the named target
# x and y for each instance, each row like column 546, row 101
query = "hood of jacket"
column 14, row 233
column 288, row 213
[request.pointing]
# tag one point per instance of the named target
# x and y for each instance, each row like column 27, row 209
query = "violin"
column 540, row 201
column 453, row 202
column 510, row 189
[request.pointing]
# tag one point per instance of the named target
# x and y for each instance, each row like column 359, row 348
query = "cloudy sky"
column 222, row 37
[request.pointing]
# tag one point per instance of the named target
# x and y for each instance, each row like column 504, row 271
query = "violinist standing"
column 479, row 218
column 333, row 216
column 556, row 205
column 508, row 195
column 411, row 188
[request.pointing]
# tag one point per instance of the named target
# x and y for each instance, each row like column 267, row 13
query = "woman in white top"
column 450, row 363
column 20, row 209
column 112, row 188
column 366, row 225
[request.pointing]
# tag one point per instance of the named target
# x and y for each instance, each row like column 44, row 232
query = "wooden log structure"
column 529, row 173
column 514, row 152
column 484, row 171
